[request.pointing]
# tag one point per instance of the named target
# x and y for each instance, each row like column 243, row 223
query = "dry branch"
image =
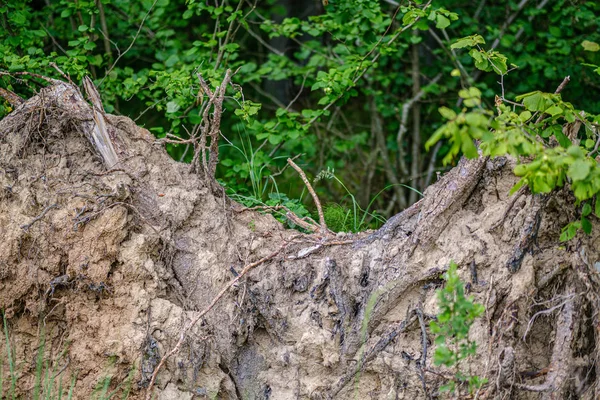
column 210, row 128
column 322, row 223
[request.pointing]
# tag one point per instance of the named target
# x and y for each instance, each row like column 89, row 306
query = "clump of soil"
column 112, row 264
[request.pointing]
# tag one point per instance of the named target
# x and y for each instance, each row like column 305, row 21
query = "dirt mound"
column 113, row 263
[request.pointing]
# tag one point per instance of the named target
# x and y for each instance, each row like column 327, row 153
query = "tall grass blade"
column 73, row 380
column 39, row 366
column 11, row 361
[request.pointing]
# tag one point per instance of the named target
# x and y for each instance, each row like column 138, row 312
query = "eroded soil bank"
column 112, row 263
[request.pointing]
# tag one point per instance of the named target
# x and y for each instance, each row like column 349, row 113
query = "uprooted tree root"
column 117, row 263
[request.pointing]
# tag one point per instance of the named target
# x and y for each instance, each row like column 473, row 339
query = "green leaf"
column 562, row 139
column 551, row 130
column 586, row 225
column 468, row 41
column 517, row 186
column 275, row 139
column 590, row 46
column 498, row 63
column 524, row 116
column 586, row 210
column 172, row 60
column 579, row 170
column 589, row 143
column 576, row 151
column 554, row 110
column 442, row 22
column 534, row 102
column 597, row 207
column 520, row 170
column 172, row 107
column 468, row 148
column 447, row 113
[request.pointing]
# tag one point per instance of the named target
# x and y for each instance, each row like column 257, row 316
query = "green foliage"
column 545, row 130
column 318, row 80
column 456, row 316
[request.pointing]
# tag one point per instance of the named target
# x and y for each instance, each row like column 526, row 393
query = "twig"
column 301, row 223
column 312, row 193
column 544, row 312
column 222, row 46
column 60, row 71
column 191, row 324
column 33, row 221
column 562, row 85
column 210, row 127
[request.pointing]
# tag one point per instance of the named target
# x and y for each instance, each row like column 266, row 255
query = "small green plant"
column 354, row 219
column 47, row 374
column 101, row 391
column 456, row 316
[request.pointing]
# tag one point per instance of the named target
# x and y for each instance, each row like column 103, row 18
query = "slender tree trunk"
column 415, row 169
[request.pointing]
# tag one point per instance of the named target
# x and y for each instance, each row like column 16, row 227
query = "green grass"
column 48, row 382
column 11, row 363
column 353, row 218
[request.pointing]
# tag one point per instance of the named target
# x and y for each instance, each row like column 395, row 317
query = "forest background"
column 359, row 93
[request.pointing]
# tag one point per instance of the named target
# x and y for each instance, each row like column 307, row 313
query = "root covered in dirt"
column 113, row 259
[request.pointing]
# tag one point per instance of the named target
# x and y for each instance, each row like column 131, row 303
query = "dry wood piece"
column 322, row 223
column 12, row 98
column 99, row 132
column 210, row 128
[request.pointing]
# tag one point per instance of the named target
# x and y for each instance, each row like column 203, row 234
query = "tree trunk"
column 114, row 264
